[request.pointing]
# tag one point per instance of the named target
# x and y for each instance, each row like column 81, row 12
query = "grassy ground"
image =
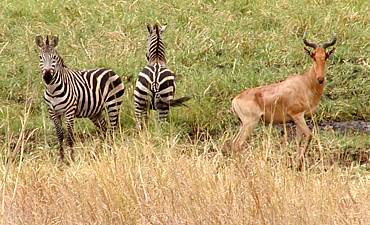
column 178, row 175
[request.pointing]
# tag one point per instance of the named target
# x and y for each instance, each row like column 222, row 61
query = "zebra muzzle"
column 48, row 76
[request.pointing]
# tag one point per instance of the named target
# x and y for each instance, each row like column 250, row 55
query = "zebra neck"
column 55, row 84
column 58, row 81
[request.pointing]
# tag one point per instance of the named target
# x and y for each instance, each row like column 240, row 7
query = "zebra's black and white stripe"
column 73, row 93
column 155, row 86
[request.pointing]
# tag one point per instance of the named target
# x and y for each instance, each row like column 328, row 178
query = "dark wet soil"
column 345, row 126
column 349, row 154
column 355, row 126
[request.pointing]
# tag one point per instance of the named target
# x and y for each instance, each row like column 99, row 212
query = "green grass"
column 216, row 49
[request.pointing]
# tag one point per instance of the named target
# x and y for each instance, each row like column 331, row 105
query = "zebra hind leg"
column 162, row 107
column 163, row 114
column 141, row 114
column 141, row 117
column 100, row 122
column 162, row 104
column 113, row 113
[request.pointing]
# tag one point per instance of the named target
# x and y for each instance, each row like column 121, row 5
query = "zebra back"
column 156, row 52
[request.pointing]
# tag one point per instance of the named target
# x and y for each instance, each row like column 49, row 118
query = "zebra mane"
column 47, row 40
column 51, row 50
column 61, row 60
column 156, row 27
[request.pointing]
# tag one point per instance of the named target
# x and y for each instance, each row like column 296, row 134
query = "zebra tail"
column 179, row 101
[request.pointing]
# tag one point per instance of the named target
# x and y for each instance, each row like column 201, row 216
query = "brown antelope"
column 289, row 100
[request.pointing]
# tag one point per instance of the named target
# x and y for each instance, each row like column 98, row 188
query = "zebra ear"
column 149, row 28
column 163, row 28
column 39, row 42
column 54, row 41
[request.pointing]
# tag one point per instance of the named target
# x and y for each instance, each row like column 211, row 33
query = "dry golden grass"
column 146, row 179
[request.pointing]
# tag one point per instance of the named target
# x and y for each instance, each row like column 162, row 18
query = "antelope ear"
column 308, row 52
column 328, row 54
column 39, row 42
column 54, row 41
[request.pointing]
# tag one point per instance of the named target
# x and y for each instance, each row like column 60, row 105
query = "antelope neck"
column 313, row 81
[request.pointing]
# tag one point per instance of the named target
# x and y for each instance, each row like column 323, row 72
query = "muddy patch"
column 350, row 156
column 346, row 126
column 355, row 126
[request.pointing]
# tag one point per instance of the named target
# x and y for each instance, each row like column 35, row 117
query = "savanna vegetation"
column 181, row 172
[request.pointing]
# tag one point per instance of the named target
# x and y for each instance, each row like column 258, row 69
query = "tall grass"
column 151, row 180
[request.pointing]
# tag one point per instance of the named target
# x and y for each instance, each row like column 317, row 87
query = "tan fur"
column 289, row 100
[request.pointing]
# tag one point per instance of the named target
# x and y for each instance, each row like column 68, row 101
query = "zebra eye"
column 40, row 56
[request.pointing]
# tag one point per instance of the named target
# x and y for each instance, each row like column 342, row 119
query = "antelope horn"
column 330, row 43
column 307, row 43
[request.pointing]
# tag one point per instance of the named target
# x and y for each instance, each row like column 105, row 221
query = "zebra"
column 155, row 86
column 77, row 93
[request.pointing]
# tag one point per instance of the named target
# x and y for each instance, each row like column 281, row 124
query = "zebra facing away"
column 73, row 93
column 155, row 86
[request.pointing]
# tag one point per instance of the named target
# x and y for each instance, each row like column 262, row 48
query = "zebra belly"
column 81, row 112
column 84, row 108
column 86, row 113
column 102, row 86
column 89, row 106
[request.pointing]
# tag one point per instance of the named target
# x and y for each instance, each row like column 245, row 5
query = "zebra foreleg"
column 70, row 136
column 60, row 133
